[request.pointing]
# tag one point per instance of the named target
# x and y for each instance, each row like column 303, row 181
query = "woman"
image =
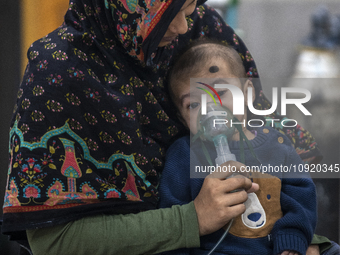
column 91, row 126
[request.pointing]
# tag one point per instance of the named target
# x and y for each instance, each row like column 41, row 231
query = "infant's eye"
column 193, row 105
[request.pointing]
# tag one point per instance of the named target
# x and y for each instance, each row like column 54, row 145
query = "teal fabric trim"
column 66, row 129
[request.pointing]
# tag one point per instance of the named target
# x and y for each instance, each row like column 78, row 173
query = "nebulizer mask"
column 216, row 126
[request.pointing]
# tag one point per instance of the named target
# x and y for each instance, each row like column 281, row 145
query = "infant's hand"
column 290, row 253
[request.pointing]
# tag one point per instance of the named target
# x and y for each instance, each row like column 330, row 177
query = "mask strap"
column 204, row 148
column 242, row 156
column 243, row 138
column 206, row 153
column 197, row 135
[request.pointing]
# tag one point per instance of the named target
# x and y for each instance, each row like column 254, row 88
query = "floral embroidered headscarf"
column 93, row 119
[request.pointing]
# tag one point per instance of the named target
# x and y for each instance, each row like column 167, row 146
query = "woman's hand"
column 313, row 249
column 290, row 253
column 215, row 205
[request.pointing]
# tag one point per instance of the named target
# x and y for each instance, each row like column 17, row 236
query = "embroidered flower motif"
column 42, row 65
column 135, row 82
column 92, row 94
column 80, row 54
column 128, row 113
column 73, row 99
column 76, row 73
column 48, row 158
column 97, row 59
column 200, row 11
column 33, row 54
column 94, row 76
column 55, row 79
column 139, row 107
column 161, row 115
column 150, row 98
column 37, row 116
column 112, row 193
column 110, row 78
column 54, row 106
column 24, row 128
column 50, row 46
column 127, row 90
column 105, row 137
column 124, row 137
column 20, row 93
column 144, row 120
column 90, row 119
column 108, row 116
column 75, row 124
column 92, row 145
column 249, row 57
column 140, row 159
column 31, row 191
column 25, row 103
column 38, row 90
column 60, row 55
column 235, row 39
column 30, row 79
column 172, row 130
column 67, row 36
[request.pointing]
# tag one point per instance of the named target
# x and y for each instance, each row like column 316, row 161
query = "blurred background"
column 294, row 43
column 21, row 23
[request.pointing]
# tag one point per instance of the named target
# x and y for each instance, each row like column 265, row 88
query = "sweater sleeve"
column 174, row 188
column 294, row 231
column 147, row 232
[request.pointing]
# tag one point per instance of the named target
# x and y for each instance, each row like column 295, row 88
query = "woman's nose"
column 179, row 24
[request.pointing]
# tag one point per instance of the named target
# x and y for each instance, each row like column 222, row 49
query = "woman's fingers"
column 313, row 249
column 248, row 185
column 226, row 169
column 289, row 253
column 254, row 187
column 235, row 198
column 222, row 199
column 236, row 183
column 236, row 210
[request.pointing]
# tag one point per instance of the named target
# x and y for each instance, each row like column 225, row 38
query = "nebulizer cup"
column 216, row 126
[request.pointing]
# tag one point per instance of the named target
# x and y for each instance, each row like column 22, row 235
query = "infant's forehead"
column 214, row 69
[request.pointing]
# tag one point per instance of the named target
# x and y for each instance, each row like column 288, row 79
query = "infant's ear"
column 249, row 84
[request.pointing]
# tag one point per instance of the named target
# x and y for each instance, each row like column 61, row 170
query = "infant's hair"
column 203, row 51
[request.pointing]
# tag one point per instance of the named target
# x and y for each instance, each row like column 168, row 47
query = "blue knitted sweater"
column 287, row 205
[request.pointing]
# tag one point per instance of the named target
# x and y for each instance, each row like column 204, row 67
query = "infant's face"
column 188, row 98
